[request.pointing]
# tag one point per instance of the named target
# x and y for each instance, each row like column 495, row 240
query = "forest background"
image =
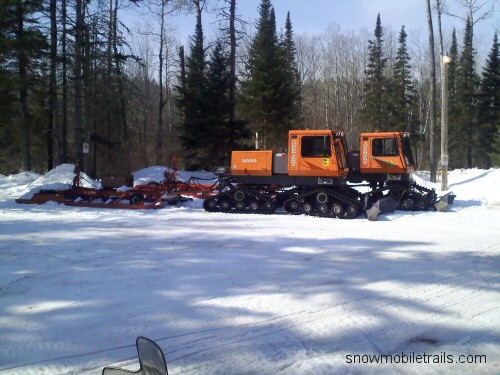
column 84, row 80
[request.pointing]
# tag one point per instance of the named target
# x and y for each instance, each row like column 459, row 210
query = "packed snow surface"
column 250, row 294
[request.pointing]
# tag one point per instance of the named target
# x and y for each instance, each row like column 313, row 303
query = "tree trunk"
column 89, row 51
column 123, row 112
column 63, row 141
column 52, row 113
column 23, row 85
column 159, row 135
column 78, row 84
column 432, row 127
column 232, row 73
column 108, row 134
column 182, row 60
column 90, row 72
column 439, row 11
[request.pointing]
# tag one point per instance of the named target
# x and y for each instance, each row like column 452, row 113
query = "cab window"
column 385, row 147
column 316, row 147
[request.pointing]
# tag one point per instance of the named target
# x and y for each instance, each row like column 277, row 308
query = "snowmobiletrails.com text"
column 412, row 357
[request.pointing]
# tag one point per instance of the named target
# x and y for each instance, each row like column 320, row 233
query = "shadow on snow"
column 222, row 297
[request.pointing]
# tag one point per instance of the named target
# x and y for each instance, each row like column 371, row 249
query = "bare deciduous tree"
column 432, row 112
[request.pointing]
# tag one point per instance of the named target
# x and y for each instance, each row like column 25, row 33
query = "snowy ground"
column 251, row 294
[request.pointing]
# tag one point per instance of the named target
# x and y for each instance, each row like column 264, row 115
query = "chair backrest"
column 151, row 357
column 151, row 360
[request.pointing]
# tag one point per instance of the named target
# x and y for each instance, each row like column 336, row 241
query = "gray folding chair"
column 151, row 360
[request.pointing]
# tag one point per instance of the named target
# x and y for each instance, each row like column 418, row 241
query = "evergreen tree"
column 195, row 133
column 209, row 130
column 376, row 84
column 217, row 106
column 467, row 84
column 238, row 130
column 403, row 115
column 266, row 98
column 22, row 45
column 454, row 136
column 238, row 127
column 489, row 105
column 289, row 87
column 7, row 84
column 452, row 73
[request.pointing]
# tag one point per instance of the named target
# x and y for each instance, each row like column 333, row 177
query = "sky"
column 315, row 16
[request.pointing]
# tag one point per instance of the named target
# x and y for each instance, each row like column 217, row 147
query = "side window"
column 385, row 147
column 316, row 147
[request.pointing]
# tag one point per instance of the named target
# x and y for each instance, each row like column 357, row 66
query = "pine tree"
column 22, row 44
column 376, row 84
column 290, row 85
column 263, row 90
column 225, row 133
column 403, row 115
column 489, row 105
column 238, row 130
column 467, row 84
column 195, row 133
column 8, row 142
column 238, row 127
column 217, row 106
column 454, row 136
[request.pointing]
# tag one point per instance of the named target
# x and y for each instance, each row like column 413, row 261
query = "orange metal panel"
column 252, row 163
column 319, row 165
column 373, row 161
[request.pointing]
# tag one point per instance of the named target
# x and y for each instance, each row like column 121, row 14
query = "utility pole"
column 445, row 61
column 432, row 109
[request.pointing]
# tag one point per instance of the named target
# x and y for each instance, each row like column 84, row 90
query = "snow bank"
column 150, row 174
column 59, row 178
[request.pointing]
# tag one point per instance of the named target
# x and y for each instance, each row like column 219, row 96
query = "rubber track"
column 259, row 194
column 347, row 196
column 352, row 198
